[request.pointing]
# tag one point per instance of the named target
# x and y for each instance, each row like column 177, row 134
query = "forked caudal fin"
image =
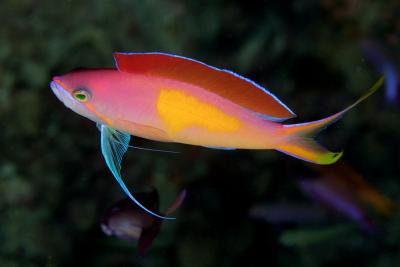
column 300, row 143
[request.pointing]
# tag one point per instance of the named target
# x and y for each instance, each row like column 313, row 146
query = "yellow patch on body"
column 180, row 111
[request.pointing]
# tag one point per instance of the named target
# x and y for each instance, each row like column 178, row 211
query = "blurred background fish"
column 335, row 190
column 340, row 188
column 128, row 221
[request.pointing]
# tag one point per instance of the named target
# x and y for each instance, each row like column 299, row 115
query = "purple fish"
column 128, row 221
column 335, row 199
column 341, row 189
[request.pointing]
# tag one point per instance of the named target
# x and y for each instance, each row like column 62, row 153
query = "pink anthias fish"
column 170, row 98
column 127, row 221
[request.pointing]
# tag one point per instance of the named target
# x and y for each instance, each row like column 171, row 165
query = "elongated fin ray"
column 300, row 143
column 113, row 146
column 154, row 150
column 222, row 82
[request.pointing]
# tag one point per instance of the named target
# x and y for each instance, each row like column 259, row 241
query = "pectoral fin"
column 114, row 144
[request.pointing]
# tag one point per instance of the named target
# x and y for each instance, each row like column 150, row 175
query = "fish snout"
column 61, row 93
column 56, row 90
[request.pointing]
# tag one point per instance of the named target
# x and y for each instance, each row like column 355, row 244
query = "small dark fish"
column 375, row 55
column 128, row 221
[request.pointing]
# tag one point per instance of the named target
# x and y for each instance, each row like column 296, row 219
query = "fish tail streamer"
column 300, row 142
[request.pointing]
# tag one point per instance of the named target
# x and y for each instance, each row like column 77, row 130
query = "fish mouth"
column 62, row 94
column 56, row 90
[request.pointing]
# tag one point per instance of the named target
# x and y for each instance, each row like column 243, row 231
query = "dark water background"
column 54, row 185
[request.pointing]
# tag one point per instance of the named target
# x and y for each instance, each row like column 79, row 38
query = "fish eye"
column 82, row 95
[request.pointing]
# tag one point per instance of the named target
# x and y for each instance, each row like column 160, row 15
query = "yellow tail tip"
column 329, row 158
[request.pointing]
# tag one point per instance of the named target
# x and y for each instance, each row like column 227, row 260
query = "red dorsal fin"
column 222, row 82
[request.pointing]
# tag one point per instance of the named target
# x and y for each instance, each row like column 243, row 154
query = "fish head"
column 80, row 92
